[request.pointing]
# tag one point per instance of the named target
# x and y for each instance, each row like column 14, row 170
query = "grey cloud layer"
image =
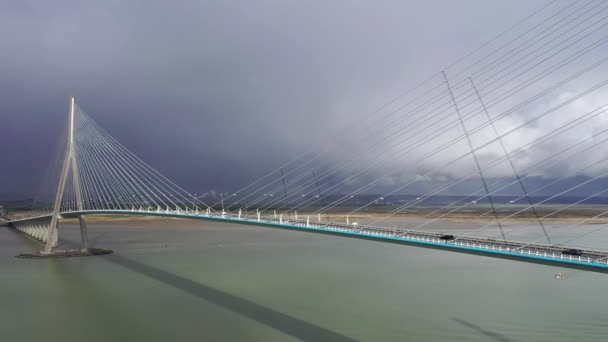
column 214, row 93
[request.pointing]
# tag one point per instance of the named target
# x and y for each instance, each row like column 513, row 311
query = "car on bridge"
column 447, row 237
column 572, row 251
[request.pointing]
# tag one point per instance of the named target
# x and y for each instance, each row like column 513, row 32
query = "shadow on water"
column 287, row 324
column 84, row 296
column 490, row 334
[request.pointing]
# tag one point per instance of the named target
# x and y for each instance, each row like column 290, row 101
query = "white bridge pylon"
column 70, row 166
column 93, row 172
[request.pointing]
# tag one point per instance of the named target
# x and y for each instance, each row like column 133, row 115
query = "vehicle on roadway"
column 572, row 251
column 447, row 237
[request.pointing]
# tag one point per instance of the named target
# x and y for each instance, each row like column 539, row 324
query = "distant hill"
column 11, row 204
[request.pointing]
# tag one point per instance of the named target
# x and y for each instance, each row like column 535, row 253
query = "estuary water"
column 179, row 280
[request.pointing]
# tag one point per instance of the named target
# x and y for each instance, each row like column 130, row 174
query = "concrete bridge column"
column 84, row 235
column 53, row 238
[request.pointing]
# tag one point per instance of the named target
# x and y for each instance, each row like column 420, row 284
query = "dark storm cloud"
column 213, row 93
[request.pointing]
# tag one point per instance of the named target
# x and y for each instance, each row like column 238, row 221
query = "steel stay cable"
column 510, row 28
column 597, row 86
column 136, row 176
column 496, row 100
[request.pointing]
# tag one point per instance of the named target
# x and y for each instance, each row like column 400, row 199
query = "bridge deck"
column 593, row 260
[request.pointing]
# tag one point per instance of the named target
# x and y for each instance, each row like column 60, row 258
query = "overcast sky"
column 214, row 93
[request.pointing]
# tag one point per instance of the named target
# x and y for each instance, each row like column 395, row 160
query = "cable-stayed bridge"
column 524, row 107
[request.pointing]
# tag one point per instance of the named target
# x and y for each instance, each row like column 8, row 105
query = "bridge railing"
column 518, row 247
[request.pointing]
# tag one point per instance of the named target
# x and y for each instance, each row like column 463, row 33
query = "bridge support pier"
column 41, row 232
column 84, row 235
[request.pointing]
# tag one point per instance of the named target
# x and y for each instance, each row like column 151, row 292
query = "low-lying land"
column 597, row 214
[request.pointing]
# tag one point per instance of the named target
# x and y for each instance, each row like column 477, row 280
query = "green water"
column 200, row 281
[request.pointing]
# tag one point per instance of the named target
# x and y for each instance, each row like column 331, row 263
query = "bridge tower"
column 69, row 165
